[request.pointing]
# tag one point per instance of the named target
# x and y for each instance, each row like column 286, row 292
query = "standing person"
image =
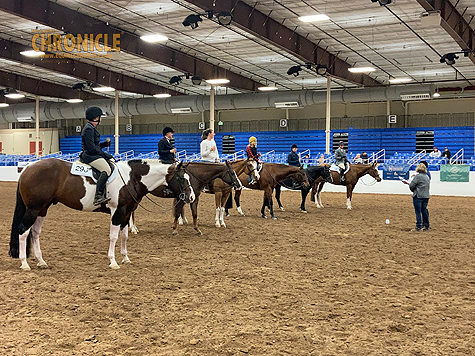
column 208, row 149
column 446, row 154
column 93, row 155
column 420, row 187
column 341, row 159
column 293, row 158
column 166, row 151
column 364, row 157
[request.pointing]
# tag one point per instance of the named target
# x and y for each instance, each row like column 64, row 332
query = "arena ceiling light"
column 314, row 18
column 321, row 69
column 400, row 80
column 24, row 119
column 154, row 38
column 74, row 101
column 4, row 105
column 268, row 88
column 162, row 95
column 32, row 53
column 13, row 94
column 196, row 80
column 103, row 89
column 217, row 81
column 361, row 69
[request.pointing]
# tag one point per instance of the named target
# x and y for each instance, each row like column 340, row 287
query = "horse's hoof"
column 223, row 224
column 273, row 218
column 303, row 211
column 282, row 208
column 217, row 225
column 114, row 266
column 42, row 265
column 349, row 207
column 264, row 217
column 25, row 268
column 126, row 261
column 199, row 233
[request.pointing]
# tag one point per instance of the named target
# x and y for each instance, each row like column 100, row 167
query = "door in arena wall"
column 33, row 147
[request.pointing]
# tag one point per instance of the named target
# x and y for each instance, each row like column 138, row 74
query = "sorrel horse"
column 200, row 173
column 351, row 178
column 313, row 173
column 49, row 181
column 270, row 175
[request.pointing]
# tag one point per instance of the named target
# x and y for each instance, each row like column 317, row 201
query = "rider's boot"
column 342, row 174
column 100, row 197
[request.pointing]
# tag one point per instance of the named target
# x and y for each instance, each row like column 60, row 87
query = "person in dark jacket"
column 420, row 188
column 293, row 158
column 446, row 154
column 93, row 155
column 341, row 160
column 166, row 151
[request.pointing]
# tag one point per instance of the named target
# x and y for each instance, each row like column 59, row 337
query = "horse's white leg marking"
column 35, row 233
column 218, row 210
column 133, row 227
column 240, row 211
column 124, row 235
column 113, row 235
column 221, row 217
column 24, row 265
column 318, row 200
column 180, row 220
column 348, row 203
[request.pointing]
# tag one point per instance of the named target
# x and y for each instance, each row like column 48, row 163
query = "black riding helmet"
column 93, row 112
column 341, row 143
column 167, row 130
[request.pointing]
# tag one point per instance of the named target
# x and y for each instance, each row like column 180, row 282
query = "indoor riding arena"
column 116, row 114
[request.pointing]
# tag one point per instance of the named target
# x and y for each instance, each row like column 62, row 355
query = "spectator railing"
column 415, row 159
column 457, row 158
column 181, row 155
column 379, row 156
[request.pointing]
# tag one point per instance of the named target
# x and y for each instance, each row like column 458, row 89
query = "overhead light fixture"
column 268, row 88
column 224, row 18
column 400, row 80
column 74, row 101
column 436, row 94
column 449, row 58
column 196, row 80
column 421, row 96
column 217, row 81
column 13, row 94
column 321, row 69
column 32, row 53
column 294, row 70
column 361, row 69
column 314, row 18
column 154, row 38
column 192, row 21
column 175, row 80
column 287, row 104
column 24, row 119
column 103, row 89
column 182, row 111
column 382, row 2
column 162, row 95
column 4, row 105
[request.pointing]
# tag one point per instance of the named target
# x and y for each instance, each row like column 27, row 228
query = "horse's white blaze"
column 24, row 264
column 192, row 193
column 216, row 219
column 35, row 232
column 114, row 235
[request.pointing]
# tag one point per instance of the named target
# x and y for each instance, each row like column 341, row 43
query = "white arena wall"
column 365, row 184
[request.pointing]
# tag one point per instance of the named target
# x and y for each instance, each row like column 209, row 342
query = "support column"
column 37, row 126
column 327, row 125
column 211, row 107
column 116, row 134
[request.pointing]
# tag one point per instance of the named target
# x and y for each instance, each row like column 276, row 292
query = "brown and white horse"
column 49, row 181
column 351, row 178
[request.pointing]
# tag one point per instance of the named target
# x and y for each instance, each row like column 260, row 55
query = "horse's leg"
column 237, row 198
column 113, row 235
column 304, row 193
column 177, row 211
column 229, row 203
column 270, row 203
column 217, row 201
column 349, row 193
column 182, row 219
column 318, row 200
column 194, row 212
column 27, row 222
column 224, row 199
column 264, row 204
column 277, row 196
column 124, row 235
column 133, row 227
column 35, row 234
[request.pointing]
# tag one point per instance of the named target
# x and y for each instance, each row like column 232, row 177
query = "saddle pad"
column 335, row 168
column 81, row 169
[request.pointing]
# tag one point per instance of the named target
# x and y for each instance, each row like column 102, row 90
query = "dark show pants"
column 422, row 214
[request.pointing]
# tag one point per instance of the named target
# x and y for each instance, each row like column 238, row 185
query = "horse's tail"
column 20, row 210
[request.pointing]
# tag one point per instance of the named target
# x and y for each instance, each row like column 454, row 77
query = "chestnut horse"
column 270, row 175
column 351, row 178
column 200, row 173
column 313, row 173
column 50, row 181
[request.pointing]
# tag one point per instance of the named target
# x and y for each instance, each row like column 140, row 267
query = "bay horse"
column 201, row 174
column 50, row 181
column 270, row 175
column 313, row 173
column 351, row 178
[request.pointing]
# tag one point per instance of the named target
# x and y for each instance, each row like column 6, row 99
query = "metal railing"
column 415, row 159
column 457, row 158
column 378, row 156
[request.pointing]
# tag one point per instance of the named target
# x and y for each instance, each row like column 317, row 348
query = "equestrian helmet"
column 341, row 143
column 167, row 130
column 93, row 112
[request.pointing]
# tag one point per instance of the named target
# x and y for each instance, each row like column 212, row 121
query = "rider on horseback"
column 93, row 155
column 252, row 154
column 341, row 160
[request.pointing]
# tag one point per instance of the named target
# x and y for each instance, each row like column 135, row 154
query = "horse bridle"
column 232, row 175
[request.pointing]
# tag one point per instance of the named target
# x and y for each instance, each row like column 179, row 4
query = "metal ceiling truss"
column 64, row 19
column 249, row 19
column 88, row 72
column 40, row 87
column 453, row 22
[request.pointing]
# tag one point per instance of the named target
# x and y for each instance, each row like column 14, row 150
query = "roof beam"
column 40, row 87
column 454, row 23
column 62, row 18
column 11, row 50
column 249, row 19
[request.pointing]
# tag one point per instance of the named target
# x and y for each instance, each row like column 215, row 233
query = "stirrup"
column 101, row 200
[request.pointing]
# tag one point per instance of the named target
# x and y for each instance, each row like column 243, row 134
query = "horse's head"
column 300, row 179
column 373, row 171
column 231, row 178
column 327, row 175
column 178, row 181
column 251, row 169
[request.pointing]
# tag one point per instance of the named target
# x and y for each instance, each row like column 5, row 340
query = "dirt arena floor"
column 330, row 282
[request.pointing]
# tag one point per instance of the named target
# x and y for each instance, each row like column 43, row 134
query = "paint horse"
column 50, row 181
column 201, row 174
column 355, row 172
column 270, row 175
column 313, row 173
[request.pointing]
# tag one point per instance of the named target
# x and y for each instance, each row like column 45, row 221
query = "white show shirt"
column 206, row 153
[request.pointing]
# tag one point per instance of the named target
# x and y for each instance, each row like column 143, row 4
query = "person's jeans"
column 422, row 214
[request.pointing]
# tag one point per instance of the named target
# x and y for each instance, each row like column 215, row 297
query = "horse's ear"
column 179, row 165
